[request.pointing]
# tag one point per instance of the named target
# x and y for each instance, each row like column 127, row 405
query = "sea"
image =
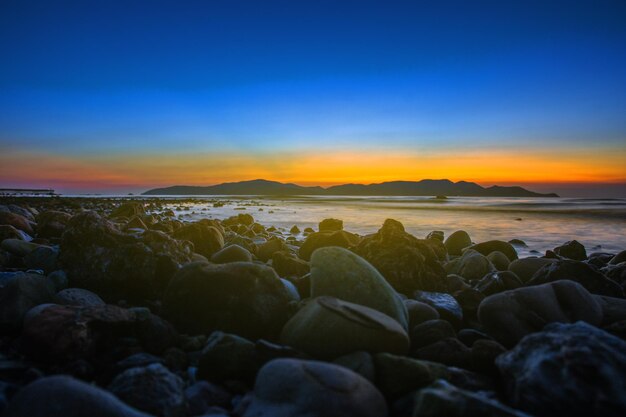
column 541, row 223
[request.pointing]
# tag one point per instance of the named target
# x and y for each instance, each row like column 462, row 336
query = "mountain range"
column 391, row 188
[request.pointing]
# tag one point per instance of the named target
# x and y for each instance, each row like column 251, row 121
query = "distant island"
column 391, row 188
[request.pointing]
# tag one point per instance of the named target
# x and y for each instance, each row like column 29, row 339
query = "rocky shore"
column 120, row 308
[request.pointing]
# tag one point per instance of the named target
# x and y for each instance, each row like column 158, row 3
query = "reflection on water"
column 542, row 223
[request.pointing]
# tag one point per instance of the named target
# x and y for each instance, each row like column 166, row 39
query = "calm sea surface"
column 599, row 224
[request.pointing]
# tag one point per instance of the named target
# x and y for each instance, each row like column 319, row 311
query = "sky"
column 116, row 97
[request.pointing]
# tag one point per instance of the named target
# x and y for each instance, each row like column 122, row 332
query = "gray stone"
column 457, row 241
column 339, row 273
column 471, row 265
column 525, row 268
column 291, row 387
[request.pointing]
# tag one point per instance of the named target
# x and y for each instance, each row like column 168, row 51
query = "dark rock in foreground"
column 567, row 369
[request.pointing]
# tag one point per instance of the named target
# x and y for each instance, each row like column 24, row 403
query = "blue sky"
column 84, row 79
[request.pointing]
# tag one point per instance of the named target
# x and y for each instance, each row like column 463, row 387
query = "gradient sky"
column 106, row 96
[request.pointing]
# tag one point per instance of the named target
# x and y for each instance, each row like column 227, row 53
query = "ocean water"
column 542, row 223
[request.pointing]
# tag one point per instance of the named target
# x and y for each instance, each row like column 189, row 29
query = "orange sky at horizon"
column 331, row 167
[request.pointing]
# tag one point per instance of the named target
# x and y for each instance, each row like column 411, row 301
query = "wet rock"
column 445, row 304
column 594, row 281
column 485, row 248
column 151, row 388
column 330, row 225
column 399, row 375
column 327, row 328
column 436, row 234
column 228, row 357
column 44, row 258
column 572, row 250
column 495, row 282
column 339, row 273
column 499, row 260
column 360, row 362
column 429, row 332
column 290, row 387
column 19, row 292
column 17, row 221
column 63, row 396
column 619, row 258
column 61, row 334
column 444, row 399
column 527, row 267
column 457, row 241
column 78, row 297
column 407, row 263
column 10, row 232
column 52, row 223
column 231, row 253
column 287, row 264
column 244, row 298
column 419, row 312
column 19, row 247
column 294, row 230
column 471, row 265
column 510, row 315
column 100, row 258
column 567, row 369
column 206, row 239
column 203, row 395
column 267, row 249
column 322, row 239
column 128, row 210
column 240, row 219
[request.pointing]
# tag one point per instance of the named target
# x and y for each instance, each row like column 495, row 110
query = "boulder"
column 52, row 223
column 99, row 257
column 567, row 369
column 327, row 328
column 330, row 225
column 457, row 241
column 586, row 275
column 18, row 221
column 291, row 387
column 128, row 210
column 339, row 273
column 206, row 239
column 152, row 388
column 19, row 247
column 268, row 248
column 485, row 248
column 527, row 267
column 322, row 239
column 499, row 260
column 495, row 282
column 471, row 265
column 419, row 312
column 231, row 253
column 407, row 263
column 228, row 357
column 244, row 298
column 19, row 292
column 572, row 250
column 510, row 315
column 78, row 297
column 446, row 305
column 43, row 258
column 287, row 264
column 63, row 396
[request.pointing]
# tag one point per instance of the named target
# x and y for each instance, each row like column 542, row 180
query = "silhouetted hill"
column 405, row 188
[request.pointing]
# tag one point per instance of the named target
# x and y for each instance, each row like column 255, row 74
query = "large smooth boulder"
column 327, row 328
column 206, row 240
column 293, row 388
column 99, row 257
column 574, row 370
column 322, row 239
column 231, row 253
column 586, row 275
column 153, row 389
column 244, row 298
column 510, row 315
column 491, row 246
column 525, row 268
column 471, row 265
column 63, row 396
column 407, row 263
column 330, row 225
column 19, row 292
column 457, row 241
column 339, row 273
